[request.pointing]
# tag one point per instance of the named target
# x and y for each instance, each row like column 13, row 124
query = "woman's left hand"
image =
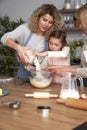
column 59, row 70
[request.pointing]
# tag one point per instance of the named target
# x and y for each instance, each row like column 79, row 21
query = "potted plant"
column 8, row 61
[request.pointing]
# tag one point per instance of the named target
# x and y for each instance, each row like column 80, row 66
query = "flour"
column 40, row 83
column 39, row 80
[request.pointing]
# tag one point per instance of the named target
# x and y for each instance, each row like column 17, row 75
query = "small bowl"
column 40, row 79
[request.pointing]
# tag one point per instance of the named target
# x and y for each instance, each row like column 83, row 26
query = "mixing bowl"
column 41, row 78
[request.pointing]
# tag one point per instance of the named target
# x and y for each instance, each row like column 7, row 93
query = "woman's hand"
column 59, row 70
column 21, row 50
column 22, row 54
column 55, row 69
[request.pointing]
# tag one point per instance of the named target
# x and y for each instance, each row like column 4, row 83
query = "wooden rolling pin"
column 74, row 103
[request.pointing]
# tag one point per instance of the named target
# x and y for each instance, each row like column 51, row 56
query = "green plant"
column 73, row 50
column 8, row 60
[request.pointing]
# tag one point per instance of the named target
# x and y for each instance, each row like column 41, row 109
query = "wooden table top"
column 27, row 117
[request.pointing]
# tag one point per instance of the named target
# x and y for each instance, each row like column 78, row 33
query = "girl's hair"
column 42, row 10
column 81, row 14
column 59, row 34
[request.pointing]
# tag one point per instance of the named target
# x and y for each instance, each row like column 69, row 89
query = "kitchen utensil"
column 74, row 103
column 15, row 105
column 41, row 95
column 67, row 4
column 11, row 104
column 40, row 78
column 69, row 86
column 44, row 110
column 6, row 79
column 31, row 59
column 77, row 4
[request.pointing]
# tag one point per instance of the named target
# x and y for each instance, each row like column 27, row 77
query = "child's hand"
column 35, row 53
column 40, row 53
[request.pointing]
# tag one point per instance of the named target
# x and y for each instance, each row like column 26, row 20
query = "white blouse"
column 57, row 58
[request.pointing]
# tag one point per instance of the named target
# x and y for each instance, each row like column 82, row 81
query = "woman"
column 33, row 35
column 81, row 14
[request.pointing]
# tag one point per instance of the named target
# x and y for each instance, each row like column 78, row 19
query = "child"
column 58, row 52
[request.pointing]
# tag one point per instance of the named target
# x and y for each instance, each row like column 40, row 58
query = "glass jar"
column 83, row 2
column 77, row 4
column 67, row 4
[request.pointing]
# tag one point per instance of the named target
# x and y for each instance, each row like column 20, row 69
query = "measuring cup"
column 11, row 104
column 69, row 86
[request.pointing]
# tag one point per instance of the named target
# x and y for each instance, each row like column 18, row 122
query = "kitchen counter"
column 28, row 117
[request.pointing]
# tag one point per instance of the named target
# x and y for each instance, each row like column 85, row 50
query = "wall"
column 24, row 8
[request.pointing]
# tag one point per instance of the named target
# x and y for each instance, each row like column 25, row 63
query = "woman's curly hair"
column 42, row 10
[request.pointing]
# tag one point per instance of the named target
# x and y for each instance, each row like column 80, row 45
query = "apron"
column 22, row 72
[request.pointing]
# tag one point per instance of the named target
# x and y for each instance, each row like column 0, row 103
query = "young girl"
column 58, row 52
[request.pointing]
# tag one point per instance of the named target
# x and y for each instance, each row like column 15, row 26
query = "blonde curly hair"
column 40, row 11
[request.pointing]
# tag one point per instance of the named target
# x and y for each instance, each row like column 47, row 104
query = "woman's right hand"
column 22, row 54
column 21, row 50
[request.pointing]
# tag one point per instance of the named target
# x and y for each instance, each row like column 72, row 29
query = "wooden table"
column 27, row 117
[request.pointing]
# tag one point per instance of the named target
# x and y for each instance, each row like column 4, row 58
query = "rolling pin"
column 74, row 103
column 41, row 95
